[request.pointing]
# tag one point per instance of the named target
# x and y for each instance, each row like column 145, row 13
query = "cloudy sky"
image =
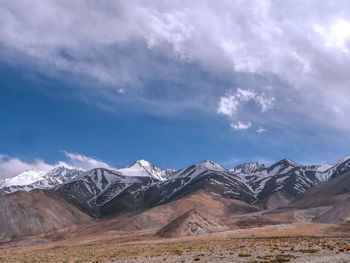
column 102, row 83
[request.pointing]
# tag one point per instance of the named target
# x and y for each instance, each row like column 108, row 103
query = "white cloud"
column 11, row 166
column 84, row 162
column 229, row 104
column 266, row 103
column 337, row 35
column 261, row 130
column 238, row 126
column 245, row 95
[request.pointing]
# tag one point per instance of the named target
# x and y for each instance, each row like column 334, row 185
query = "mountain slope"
column 103, row 192
column 286, row 180
column 144, row 197
column 96, row 187
column 328, row 202
column 39, row 211
column 193, row 222
column 335, row 195
column 159, row 216
column 140, row 186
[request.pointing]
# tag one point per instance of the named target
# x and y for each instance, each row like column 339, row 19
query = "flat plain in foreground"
column 231, row 246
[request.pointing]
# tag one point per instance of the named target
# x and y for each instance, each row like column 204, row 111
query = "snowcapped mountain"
column 141, row 185
column 339, row 168
column 248, row 168
column 142, row 168
column 33, row 179
column 197, row 169
column 96, row 187
column 97, row 190
column 208, row 176
column 24, row 178
column 286, row 178
column 104, row 192
column 58, row 176
column 210, row 165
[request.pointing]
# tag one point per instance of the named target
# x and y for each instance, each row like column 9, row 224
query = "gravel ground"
column 322, row 258
column 217, row 248
column 260, row 250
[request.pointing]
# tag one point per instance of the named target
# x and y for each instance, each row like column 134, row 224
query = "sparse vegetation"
column 242, row 255
column 284, row 258
column 201, row 249
column 308, row 250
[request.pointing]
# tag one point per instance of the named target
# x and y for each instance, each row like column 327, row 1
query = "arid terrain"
column 202, row 213
column 303, row 242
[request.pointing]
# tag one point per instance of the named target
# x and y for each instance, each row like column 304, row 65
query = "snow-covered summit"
column 285, row 175
column 63, row 171
column 142, row 168
column 58, row 176
column 282, row 166
column 24, row 178
column 211, row 165
column 200, row 168
column 286, row 162
column 247, row 168
column 344, row 159
column 32, row 179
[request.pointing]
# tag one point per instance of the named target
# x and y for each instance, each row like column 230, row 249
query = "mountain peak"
column 24, row 178
column 63, row 171
column 208, row 162
column 250, row 167
column 283, row 166
column 343, row 160
column 142, row 163
column 58, row 169
column 287, row 161
column 143, row 168
column 211, row 165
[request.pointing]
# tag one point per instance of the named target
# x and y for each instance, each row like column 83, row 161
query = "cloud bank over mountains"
column 10, row 166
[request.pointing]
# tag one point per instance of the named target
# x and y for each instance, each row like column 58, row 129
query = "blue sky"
column 104, row 84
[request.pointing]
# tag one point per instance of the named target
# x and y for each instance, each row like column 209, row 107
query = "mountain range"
column 140, row 192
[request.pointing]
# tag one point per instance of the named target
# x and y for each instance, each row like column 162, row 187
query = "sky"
column 103, row 83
